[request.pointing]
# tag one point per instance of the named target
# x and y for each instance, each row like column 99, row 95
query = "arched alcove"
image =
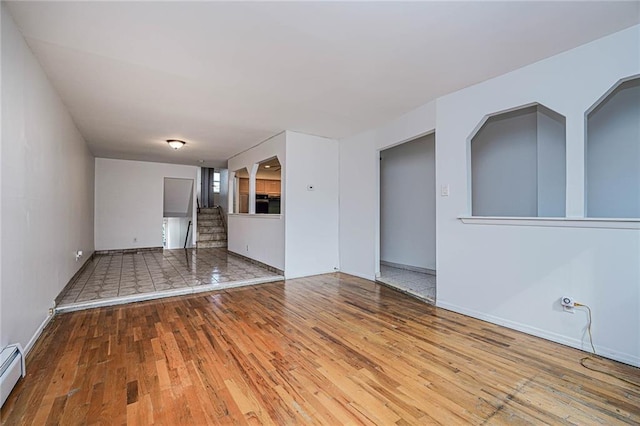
column 612, row 153
column 518, row 164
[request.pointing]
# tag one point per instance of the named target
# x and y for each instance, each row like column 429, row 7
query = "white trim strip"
column 559, row 222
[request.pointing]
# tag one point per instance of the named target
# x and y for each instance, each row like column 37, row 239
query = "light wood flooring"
column 330, row 349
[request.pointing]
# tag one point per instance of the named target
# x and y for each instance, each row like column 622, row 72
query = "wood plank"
column 331, row 349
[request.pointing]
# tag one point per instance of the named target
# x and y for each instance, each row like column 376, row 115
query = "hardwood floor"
column 331, row 349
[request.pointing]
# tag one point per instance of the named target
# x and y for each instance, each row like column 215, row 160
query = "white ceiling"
column 225, row 76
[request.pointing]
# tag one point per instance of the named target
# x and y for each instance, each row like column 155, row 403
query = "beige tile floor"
column 415, row 283
column 121, row 278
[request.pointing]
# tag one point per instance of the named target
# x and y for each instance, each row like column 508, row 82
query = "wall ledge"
column 559, row 222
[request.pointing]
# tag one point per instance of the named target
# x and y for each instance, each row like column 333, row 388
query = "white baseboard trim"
column 554, row 337
column 37, row 334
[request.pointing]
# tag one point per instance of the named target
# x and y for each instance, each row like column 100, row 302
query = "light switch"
column 444, row 190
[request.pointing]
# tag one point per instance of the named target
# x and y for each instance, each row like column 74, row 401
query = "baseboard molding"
column 544, row 334
column 128, row 251
column 408, row 267
column 37, row 334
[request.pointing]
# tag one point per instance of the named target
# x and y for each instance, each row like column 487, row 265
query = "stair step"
column 211, row 244
column 209, row 223
column 209, row 217
column 212, row 237
column 210, row 229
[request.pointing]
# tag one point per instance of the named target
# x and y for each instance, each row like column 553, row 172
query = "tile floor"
column 121, row 278
column 415, row 283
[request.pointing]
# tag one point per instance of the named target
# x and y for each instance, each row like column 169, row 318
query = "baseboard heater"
column 11, row 369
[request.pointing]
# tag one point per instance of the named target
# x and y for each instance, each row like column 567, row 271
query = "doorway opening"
column 408, row 217
column 177, row 229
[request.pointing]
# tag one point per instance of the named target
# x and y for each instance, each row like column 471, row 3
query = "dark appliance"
column 262, row 203
column 274, row 204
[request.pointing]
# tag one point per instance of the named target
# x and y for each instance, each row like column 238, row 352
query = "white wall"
column 260, row 237
column 359, row 171
column 408, row 203
column 47, row 193
column 515, row 275
column 129, row 202
column 552, row 160
column 311, row 216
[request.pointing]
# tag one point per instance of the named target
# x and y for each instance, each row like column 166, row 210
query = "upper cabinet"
column 272, row 187
column 263, row 186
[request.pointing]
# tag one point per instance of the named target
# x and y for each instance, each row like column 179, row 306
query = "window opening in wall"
column 216, row 182
column 612, row 153
column 268, row 186
column 518, row 164
column 242, row 191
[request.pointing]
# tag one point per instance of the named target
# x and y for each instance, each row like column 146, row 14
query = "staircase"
column 211, row 232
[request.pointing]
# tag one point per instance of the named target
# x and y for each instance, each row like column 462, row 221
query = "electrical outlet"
column 50, row 311
column 567, row 303
column 247, row 247
column 135, row 239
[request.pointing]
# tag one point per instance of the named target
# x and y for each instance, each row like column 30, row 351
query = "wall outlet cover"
column 567, row 301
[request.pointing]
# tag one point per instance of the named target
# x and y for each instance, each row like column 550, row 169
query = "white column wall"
column 312, row 215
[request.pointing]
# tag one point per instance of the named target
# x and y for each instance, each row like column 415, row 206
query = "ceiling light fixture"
column 175, row 143
column 267, row 166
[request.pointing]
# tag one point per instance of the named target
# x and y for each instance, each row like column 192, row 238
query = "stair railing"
column 187, row 237
column 224, row 220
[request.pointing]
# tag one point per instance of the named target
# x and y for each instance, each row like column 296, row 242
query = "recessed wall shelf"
column 518, row 164
column 612, row 153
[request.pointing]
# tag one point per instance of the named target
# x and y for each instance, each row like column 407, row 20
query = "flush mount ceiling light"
column 175, row 143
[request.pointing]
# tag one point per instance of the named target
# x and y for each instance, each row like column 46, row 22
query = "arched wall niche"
column 612, row 153
column 518, row 164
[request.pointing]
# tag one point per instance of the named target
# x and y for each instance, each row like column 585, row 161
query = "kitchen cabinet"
column 263, row 186
column 273, row 187
column 244, row 185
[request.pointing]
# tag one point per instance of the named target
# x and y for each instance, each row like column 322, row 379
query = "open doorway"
column 408, row 217
column 177, row 229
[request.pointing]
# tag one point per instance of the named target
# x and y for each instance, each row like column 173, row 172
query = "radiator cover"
column 11, row 369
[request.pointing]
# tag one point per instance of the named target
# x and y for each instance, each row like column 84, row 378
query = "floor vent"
column 11, row 369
